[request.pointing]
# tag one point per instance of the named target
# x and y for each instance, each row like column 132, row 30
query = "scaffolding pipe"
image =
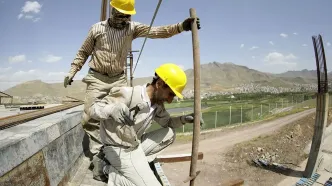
column 197, row 100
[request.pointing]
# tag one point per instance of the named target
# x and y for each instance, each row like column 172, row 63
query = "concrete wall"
column 45, row 151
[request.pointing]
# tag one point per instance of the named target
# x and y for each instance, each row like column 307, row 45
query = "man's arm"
column 141, row 30
column 102, row 109
column 164, row 119
column 83, row 53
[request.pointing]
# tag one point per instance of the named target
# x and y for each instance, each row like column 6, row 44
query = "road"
column 214, row 146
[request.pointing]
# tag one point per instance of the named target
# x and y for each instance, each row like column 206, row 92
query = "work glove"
column 121, row 114
column 190, row 119
column 68, row 80
column 186, row 24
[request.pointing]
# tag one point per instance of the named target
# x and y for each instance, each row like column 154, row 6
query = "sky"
column 39, row 39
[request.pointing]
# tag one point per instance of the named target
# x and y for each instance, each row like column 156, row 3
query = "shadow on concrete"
column 280, row 170
column 86, row 146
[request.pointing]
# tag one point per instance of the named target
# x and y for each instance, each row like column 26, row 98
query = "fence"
column 243, row 112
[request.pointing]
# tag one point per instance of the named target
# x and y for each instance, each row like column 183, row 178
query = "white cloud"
column 304, row 45
column 253, row 47
column 242, row 45
column 28, row 17
column 51, row 58
column 276, row 58
column 295, row 33
column 182, row 67
column 253, row 57
column 328, row 44
column 283, row 35
column 19, row 16
column 30, row 8
column 271, row 42
column 17, row 59
column 11, row 78
column 4, row 70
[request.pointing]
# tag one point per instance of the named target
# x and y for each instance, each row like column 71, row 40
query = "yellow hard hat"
column 174, row 77
column 124, row 6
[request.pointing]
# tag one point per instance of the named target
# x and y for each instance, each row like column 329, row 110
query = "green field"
column 223, row 111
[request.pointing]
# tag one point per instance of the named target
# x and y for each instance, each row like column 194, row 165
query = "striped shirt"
column 109, row 47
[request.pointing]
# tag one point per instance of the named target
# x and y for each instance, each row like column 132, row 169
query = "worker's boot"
column 99, row 162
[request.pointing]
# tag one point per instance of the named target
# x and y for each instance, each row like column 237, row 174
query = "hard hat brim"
column 177, row 94
column 131, row 12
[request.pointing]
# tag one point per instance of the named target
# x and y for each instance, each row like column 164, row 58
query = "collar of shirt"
column 145, row 96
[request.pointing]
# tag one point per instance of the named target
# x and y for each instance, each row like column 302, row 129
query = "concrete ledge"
column 57, row 138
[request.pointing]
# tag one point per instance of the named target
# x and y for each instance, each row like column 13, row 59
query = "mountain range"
column 215, row 77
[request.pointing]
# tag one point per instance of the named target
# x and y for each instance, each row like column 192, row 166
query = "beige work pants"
column 98, row 86
column 131, row 168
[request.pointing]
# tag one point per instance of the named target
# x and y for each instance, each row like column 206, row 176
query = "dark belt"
column 105, row 74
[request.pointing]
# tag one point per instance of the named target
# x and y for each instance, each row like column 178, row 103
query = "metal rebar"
column 13, row 120
column 131, row 68
column 154, row 16
column 197, row 100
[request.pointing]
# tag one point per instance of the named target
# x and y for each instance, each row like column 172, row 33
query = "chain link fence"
column 221, row 115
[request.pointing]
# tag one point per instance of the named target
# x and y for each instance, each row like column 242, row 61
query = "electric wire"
column 154, row 16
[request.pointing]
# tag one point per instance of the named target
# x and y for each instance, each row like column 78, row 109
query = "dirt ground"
column 229, row 154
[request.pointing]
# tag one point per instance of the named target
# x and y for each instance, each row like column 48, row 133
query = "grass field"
column 220, row 112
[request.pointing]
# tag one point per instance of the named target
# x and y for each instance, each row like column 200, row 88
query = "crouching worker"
column 125, row 115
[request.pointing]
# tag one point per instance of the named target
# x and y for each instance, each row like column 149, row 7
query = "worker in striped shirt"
column 108, row 43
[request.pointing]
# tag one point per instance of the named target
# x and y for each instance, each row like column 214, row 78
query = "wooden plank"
column 235, row 182
column 177, row 158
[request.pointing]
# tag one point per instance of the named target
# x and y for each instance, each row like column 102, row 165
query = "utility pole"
column 110, row 10
column 103, row 10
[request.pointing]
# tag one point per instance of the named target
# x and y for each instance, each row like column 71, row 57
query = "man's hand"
column 121, row 114
column 190, row 119
column 68, row 80
column 187, row 23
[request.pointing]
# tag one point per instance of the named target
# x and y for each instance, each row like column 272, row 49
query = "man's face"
column 119, row 20
column 162, row 93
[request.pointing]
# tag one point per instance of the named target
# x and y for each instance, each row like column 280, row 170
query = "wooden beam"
column 177, row 158
column 235, row 182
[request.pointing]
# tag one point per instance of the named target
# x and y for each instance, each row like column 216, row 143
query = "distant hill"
column 310, row 74
column 214, row 77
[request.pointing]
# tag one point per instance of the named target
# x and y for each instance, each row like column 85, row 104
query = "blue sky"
column 39, row 39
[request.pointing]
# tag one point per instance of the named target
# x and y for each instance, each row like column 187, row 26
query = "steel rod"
column 131, row 69
column 154, row 16
column 197, row 100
